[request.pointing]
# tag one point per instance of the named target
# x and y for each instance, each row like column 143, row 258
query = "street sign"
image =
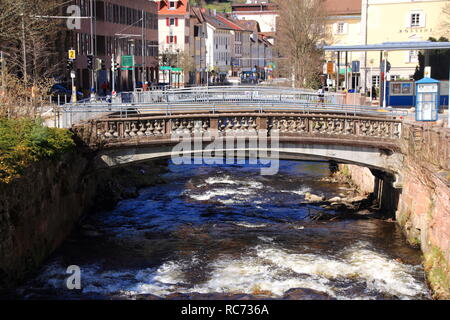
column 162, row 68
column 355, row 66
column 127, row 61
column 330, row 67
column 342, row 70
column 177, row 69
column 72, row 54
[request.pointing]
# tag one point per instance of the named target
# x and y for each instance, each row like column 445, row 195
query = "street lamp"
column 133, row 71
column 94, row 84
column 142, row 36
column 371, row 79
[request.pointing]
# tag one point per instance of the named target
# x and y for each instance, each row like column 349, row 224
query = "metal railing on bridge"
column 217, row 100
column 230, row 94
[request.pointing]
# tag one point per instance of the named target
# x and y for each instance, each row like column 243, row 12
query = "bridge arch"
column 363, row 140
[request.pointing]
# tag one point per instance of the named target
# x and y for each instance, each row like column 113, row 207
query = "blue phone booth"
column 427, row 99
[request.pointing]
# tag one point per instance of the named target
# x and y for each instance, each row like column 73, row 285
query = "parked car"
column 64, row 93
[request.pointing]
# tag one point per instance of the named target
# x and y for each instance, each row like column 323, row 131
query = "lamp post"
column 371, row 79
column 133, row 72
column 385, row 78
column 93, row 85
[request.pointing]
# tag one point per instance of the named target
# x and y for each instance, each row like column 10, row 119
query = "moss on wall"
column 438, row 273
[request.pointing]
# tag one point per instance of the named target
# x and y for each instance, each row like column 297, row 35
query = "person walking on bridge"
column 321, row 94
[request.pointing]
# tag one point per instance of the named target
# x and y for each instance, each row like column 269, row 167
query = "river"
column 226, row 231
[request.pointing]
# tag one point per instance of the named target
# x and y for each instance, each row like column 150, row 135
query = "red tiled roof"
column 333, row 7
column 251, row 25
column 233, row 23
column 182, row 7
column 343, row 7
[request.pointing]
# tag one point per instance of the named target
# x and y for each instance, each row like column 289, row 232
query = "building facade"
column 240, row 46
column 197, row 46
column 120, row 28
column 218, row 47
column 264, row 12
column 174, row 34
column 398, row 21
column 344, row 28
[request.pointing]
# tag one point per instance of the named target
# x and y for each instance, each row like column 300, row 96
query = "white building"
column 218, row 47
column 173, row 32
column 264, row 12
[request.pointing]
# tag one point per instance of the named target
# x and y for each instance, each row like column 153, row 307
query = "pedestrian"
column 374, row 93
column 321, row 94
column 105, row 88
column 145, row 86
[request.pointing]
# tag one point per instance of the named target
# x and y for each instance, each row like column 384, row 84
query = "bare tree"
column 30, row 39
column 300, row 32
column 179, row 59
column 27, row 40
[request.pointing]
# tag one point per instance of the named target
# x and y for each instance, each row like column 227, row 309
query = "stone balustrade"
column 290, row 124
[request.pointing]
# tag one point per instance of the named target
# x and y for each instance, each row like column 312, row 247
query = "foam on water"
column 262, row 263
column 224, row 180
column 266, row 268
column 220, row 192
column 228, row 180
column 250, row 225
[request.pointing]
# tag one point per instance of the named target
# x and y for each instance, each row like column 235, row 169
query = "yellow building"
column 398, row 21
column 344, row 28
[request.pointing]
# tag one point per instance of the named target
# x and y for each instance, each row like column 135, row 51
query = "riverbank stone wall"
column 40, row 209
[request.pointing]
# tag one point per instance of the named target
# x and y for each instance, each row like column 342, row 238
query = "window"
column 413, row 56
column 340, row 28
column 172, row 5
column 415, row 20
column 171, row 39
column 376, row 81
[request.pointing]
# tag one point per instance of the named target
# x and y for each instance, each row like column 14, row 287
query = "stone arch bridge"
column 366, row 140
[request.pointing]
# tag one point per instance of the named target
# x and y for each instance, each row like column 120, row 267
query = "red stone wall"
column 424, row 205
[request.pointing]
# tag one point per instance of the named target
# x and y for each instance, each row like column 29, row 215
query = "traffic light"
column 69, row 64
column 103, row 64
column 90, row 62
column 114, row 65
